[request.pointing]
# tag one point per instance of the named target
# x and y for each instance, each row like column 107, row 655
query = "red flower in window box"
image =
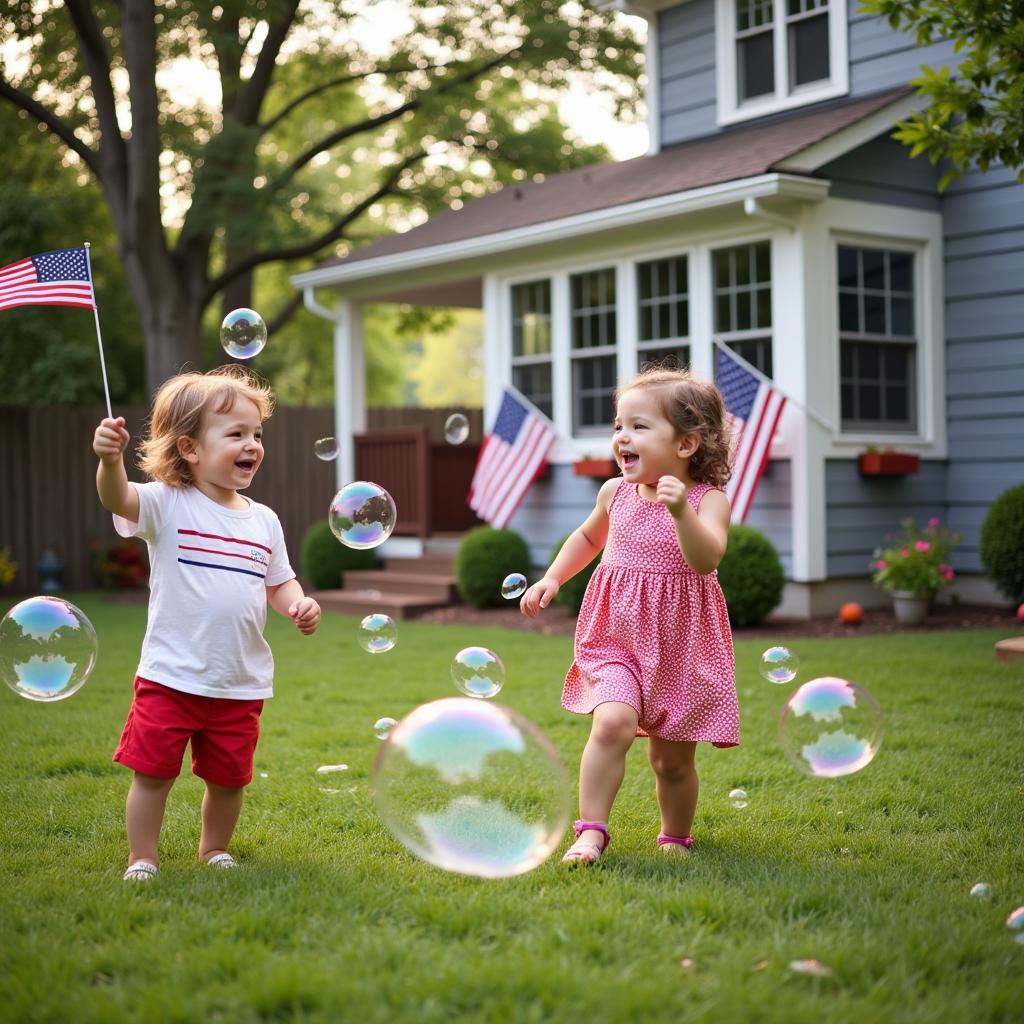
column 605, row 468
column 888, row 463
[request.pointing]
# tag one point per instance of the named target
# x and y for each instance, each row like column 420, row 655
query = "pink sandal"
column 664, row 839
column 588, row 852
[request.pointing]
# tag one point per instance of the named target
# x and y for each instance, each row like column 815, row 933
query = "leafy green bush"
column 751, row 576
column 325, row 559
column 1001, row 543
column 485, row 557
column 572, row 591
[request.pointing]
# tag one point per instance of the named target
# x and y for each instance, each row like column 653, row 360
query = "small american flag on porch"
column 754, row 408
column 58, row 278
column 512, row 455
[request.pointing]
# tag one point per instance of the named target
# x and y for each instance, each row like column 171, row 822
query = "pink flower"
column 934, row 521
column 922, row 545
column 947, row 572
column 904, row 552
column 880, row 564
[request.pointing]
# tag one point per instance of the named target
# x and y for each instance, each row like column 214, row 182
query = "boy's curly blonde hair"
column 693, row 407
column 178, row 411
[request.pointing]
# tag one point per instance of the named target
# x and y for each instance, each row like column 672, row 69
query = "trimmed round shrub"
column 1001, row 543
column 571, row 592
column 325, row 559
column 485, row 557
column 750, row 575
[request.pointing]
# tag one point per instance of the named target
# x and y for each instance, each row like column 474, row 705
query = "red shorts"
column 161, row 721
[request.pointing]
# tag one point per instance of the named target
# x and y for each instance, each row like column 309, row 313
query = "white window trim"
column 731, row 111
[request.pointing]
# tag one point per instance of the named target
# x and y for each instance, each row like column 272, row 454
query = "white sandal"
column 222, row 860
column 140, row 871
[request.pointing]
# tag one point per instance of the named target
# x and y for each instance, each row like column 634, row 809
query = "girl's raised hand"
column 111, row 439
column 671, row 492
column 539, row 596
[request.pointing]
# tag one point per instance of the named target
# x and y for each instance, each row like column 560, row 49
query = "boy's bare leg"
column 144, row 814
column 221, row 807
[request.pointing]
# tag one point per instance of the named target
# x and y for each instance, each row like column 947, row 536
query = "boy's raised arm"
column 116, row 494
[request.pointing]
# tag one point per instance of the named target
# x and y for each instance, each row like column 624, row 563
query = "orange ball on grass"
column 851, row 614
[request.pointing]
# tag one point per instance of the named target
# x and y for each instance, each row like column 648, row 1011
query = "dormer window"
column 778, row 54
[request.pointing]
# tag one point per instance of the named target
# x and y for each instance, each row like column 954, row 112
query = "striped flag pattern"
column 755, row 408
column 512, row 455
column 58, row 278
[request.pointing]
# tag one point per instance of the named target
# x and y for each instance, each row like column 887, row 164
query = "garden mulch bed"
column 556, row 621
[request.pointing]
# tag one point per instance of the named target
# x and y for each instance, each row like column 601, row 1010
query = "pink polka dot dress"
column 654, row 633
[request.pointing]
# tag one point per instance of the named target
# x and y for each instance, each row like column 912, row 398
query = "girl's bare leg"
column 221, row 807
column 144, row 814
column 675, row 772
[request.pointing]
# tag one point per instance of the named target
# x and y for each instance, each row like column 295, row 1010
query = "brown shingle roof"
column 730, row 155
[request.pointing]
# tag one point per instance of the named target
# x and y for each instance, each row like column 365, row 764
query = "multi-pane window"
column 877, row 339
column 593, row 338
column 663, row 307
column 742, row 284
column 531, row 342
column 805, row 44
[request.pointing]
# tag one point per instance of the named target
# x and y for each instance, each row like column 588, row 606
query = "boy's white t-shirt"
column 210, row 567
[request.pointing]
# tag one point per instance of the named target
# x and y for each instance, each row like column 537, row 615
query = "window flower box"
column 605, row 468
column 888, row 463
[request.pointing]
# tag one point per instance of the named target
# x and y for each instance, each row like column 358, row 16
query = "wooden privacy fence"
column 48, row 480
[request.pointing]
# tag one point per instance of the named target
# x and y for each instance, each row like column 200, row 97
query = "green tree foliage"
column 242, row 141
column 975, row 115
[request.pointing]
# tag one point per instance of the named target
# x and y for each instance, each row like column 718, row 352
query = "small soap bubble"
column 362, row 515
column 980, row 890
column 456, row 428
column 264, row 775
column 331, row 769
column 383, row 726
column 47, row 648
column 326, row 448
column 815, row 968
column 472, row 787
column 779, row 665
column 1015, row 922
column 243, row 333
column 513, row 586
column 377, row 633
column 830, row 727
column 478, row 672
column 738, row 798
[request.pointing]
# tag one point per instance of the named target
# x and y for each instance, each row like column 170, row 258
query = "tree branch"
column 53, row 123
column 375, row 122
column 251, row 95
column 290, row 308
column 314, row 245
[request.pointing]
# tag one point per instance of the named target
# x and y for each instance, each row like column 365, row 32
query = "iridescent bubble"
column 326, row 448
column 383, row 726
column 456, row 428
column 472, row 787
column 815, row 968
column 47, row 648
column 362, row 515
column 1015, row 922
column 980, row 889
column 513, row 586
column 377, row 633
column 243, row 333
column 738, row 798
column 478, row 672
column 830, row 727
column 779, row 665
column 330, row 770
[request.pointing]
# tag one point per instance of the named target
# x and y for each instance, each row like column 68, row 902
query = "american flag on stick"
column 512, row 455
column 59, row 278
column 754, row 408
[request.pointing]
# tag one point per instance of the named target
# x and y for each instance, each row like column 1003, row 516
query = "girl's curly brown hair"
column 693, row 407
column 178, row 411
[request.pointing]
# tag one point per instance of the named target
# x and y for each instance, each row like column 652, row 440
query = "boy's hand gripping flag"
column 754, row 408
column 512, row 455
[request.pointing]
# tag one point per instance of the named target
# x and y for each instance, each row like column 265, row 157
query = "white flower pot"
column 911, row 609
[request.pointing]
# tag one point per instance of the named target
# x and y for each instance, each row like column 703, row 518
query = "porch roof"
column 731, row 155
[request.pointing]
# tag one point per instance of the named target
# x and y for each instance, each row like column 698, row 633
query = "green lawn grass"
column 332, row 920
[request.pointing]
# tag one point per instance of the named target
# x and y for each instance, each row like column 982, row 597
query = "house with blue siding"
column 775, row 214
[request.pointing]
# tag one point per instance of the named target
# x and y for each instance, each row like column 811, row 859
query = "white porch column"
column 349, row 385
column 496, row 354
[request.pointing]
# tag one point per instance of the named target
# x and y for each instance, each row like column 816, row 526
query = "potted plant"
column 588, row 466
column 887, row 462
column 914, row 568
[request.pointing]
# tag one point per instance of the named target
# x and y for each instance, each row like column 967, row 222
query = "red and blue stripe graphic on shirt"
column 233, row 554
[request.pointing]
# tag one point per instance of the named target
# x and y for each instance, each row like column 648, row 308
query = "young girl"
column 654, row 650
column 216, row 559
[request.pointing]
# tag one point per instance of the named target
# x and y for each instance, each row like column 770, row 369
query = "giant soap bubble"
column 472, row 787
column 830, row 727
column 362, row 515
column 47, row 648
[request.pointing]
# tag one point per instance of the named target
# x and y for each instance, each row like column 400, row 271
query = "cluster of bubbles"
column 47, row 648
column 243, row 333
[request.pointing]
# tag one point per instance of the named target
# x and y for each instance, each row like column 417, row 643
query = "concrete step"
column 364, row 602
column 431, row 564
column 388, row 581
